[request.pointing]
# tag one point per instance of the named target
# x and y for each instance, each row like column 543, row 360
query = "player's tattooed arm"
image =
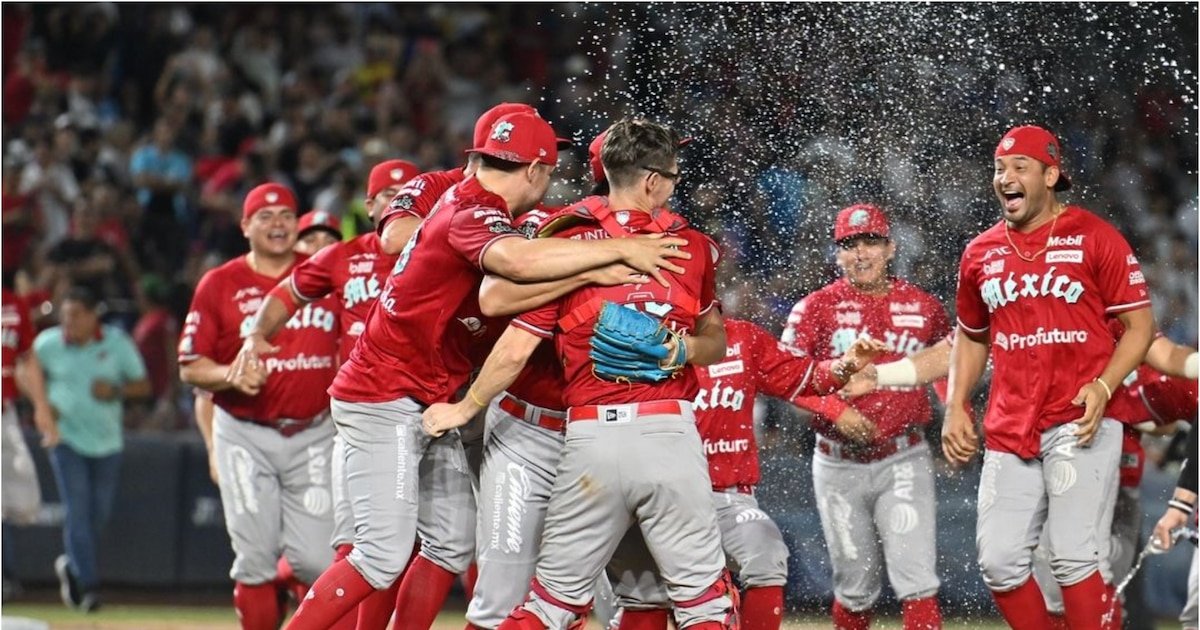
column 500, row 297
column 1171, row 358
column 968, row 358
column 1131, row 349
column 543, row 259
column 503, row 365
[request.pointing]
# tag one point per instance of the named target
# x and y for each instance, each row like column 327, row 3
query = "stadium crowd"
column 131, row 134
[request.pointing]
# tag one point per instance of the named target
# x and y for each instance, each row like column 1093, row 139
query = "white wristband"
column 1191, row 366
column 902, row 373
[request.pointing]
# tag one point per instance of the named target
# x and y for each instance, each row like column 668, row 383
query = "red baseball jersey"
column 222, row 312
column 755, row 362
column 354, row 273
column 906, row 319
column 18, row 338
column 470, row 336
column 401, row 350
column 690, row 295
column 419, row 195
column 1047, row 318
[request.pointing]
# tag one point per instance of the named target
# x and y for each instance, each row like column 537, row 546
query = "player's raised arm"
column 500, row 297
column 552, row 259
column 1171, row 358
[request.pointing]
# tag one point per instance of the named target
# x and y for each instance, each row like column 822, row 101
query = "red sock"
column 844, row 619
column 283, row 571
column 922, row 614
column 299, row 589
column 341, row 551
column 1115, row 622
column 1058, row 622
column 521, row 619
column 653, row 619
column 256, row 606
column 762, row 608
column 1023, row 607
column 423, row 590
column 1086, row 603
column 469, row 579
column 339, row 589
column 708, row 625
column 375, row 611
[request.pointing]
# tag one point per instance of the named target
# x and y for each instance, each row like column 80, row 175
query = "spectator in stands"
column 162, row 174
column 90, row 370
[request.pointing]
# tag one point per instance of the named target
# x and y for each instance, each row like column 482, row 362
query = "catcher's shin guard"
column 723, row 587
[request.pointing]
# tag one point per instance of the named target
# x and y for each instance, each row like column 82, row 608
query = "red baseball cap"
column 268, row 195
column 1038, row 144
column 320, row 220
column 594, row 155
column 483, row 125
column 390, row 173
column 521, row 137
column 859, row 219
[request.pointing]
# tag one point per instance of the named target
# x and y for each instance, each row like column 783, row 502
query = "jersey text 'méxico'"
column 755, row 362
column 18, row 338
column 695, row 287
column 906, row 319
column 354, row 272
column 223, row 311
column 400, row 353
column 1047, row 319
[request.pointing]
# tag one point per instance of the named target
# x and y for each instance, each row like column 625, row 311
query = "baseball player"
column 270, row 434
column 353, row 273
column 317, row 230
column 754, row 363
column 1181, row 511
column 1147, row 400
column 872, row 470
column 20, row 495
column 1035, row 292
column 522, row 442
column 469, row 232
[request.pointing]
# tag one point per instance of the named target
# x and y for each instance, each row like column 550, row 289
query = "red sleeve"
column 312, row 279
column 1118, row 273
column 801, row 331
column 779, row 371
column 829, row 406
column 25, row 332
column 973, row 313
column 473, row 230
column 708, row 286
column 418, row 196
column 199, row 335
column 541, row 321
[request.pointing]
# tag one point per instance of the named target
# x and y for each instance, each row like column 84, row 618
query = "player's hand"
column 46, row 421
column 1170, row 521
column 442, row 417
column 861, row 383
column 959, row 440
column 1093, row 398
column 863, row 352
column 652, row 254
column 855, row 426
column 616, row 274
column 247, row 373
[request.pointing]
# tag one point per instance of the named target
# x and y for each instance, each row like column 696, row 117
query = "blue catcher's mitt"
column 628, row 345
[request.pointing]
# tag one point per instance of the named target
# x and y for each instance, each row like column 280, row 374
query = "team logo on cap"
column 502, row 131
column 320, row 217
column 272, row 197
column 1051, row 151
column 859, row 217
column 1008, row 143
column 397, row 173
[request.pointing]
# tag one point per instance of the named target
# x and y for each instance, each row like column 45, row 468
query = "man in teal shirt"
column 90, row 369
